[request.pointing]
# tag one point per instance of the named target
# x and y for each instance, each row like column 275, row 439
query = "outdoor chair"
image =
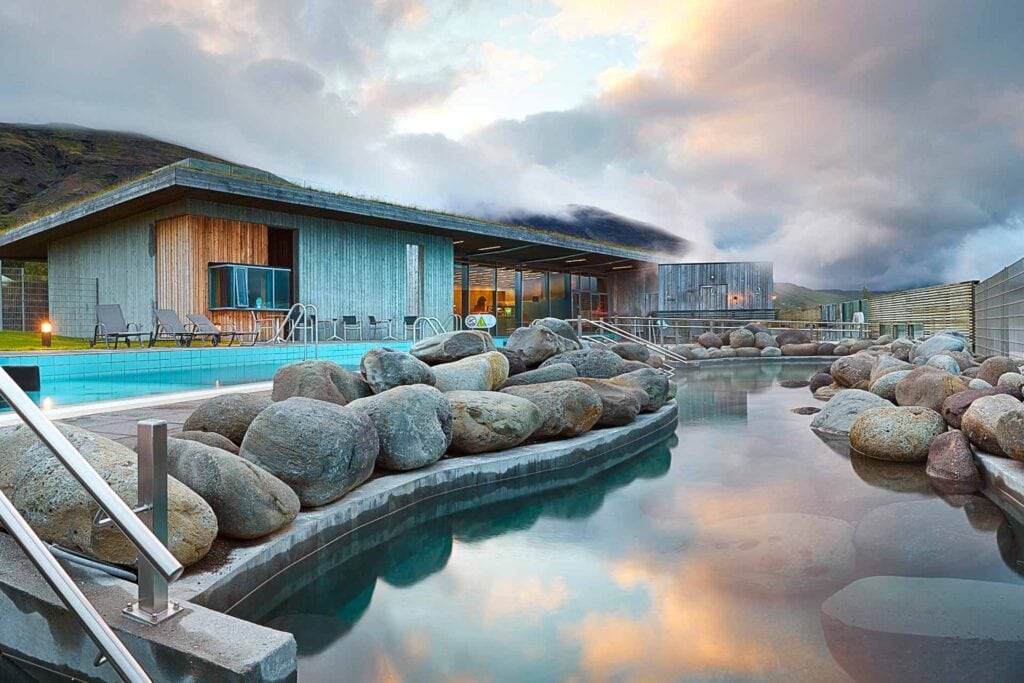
column 170, row 327
column 379, row 329
column 261, row 325
column 110, row 326
column 350, row 323
column 410, row 326
column 202, row 325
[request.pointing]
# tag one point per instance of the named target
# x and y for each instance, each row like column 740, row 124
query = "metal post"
column 152, row 607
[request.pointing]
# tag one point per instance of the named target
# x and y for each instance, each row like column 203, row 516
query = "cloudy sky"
column 876, row 144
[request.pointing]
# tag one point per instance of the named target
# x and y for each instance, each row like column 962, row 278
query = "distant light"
column 774, row 297
column 575, row 260
column 621, row 267
column 496, row 246
column 458, row 242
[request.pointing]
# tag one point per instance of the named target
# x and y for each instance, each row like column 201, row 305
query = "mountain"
column 790, row 296
column 46, row 167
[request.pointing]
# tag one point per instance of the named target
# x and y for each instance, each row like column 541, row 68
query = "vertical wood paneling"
column 748, row 285
column 938, row 307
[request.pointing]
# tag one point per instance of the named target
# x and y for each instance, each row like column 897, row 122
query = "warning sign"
column 480, row 321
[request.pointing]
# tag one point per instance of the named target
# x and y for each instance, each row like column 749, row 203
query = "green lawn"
column 11, row 340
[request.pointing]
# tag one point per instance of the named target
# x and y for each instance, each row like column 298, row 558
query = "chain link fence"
column 27, row 298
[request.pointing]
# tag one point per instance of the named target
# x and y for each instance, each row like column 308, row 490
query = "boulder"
column 741, row 338
column 841, row 351
column 826, row 349
column 631, row 365
column 819, row 380
column 808, row 349
column 748, row 352
column 485, row 372
column 951, row 467
column 516, row 361
column 537, row 344
column 724, row 352
column 61, row 511
column 631, row 351
column 596, row 363
column 963, row 359
column 861, row 345
column 656, row 360
column 709, row 340
column 413, row 423
column 249, row 501
column 944, row 363
column 487, row 421
column 228, row 415
column 898, row 434
column 757, row 327
column 771, row 352
column 994, row 367
column 548, row 373
column 1014, row 380
column 980, row 420
column 954, row 407
column 764, row 340
column 978, row 384
column 568, row 408
column 321, row 450
column 452, row 346
column 884, row 339
column 559, row 327
column 886, row 364
column 777, row 554
column 784, row 337
column 1010, row 433
column 885, row 386
column 620, row 403
column 851, row 371
column 928, row 387
column 900, row 349
column 319, row 379
column 828, row 392
column 209, row 438
column 935, row 345
column 839, row 413
column 899, row 628
column 386, row 368
column 652, row 382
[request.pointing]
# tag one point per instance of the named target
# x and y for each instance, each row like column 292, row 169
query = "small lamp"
column 47, row 333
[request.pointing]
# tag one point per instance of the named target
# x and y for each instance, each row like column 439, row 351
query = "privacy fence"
column 999, row 313
column 28, row 298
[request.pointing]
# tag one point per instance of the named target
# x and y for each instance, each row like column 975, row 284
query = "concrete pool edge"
column 1004, row 483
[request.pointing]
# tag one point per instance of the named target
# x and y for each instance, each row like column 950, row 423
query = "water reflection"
column 706, row 558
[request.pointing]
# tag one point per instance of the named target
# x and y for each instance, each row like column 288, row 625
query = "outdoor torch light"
column 47, row 329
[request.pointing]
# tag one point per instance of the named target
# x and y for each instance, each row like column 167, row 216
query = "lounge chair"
column 410, row 325
column 202, row 325
column 170, row 327
column 350, row 323
column 110, row 326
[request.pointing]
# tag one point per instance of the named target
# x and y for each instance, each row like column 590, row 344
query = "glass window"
column 535, row 296
column 558, row 292
column 457, row 284
column 505, row 294
column 481, row 289
column 249, row 287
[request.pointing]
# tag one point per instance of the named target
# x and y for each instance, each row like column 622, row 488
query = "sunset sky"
column 876, row 144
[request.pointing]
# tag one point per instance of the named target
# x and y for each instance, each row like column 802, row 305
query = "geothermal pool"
column 642, row 572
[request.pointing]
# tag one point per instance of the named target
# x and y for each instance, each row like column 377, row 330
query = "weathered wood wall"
column 633, row 293
column 936, row 308
column 187, row 245
column 748, row 285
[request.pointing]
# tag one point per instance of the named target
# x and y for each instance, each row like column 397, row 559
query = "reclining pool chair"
column 110, row 326
column 170, row 327
column 201, row 325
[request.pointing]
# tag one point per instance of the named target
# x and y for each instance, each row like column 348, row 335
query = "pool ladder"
column 145, row 527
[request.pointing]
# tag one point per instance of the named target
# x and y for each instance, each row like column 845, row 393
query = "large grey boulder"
column 741, row 339
column 900, row 629
column 249, row 501
column 652, row 382
column 944, row 363
column 819, row 380
column 596, row 363
column 631, row 351
column 1010, row 433
column 843, row 408
column 451, row 346
column 61, row 511
column 771, row 352
column 321, row 450
column 886, row 364
column 228, row 415
column 749, row 352
column 709, row 340
column 620, row 403
column 935, row 345
column 319, row 379
column 764, row 340
column 900, row 349
column 980, row 420
column 485, row 372
column 808, row 349
column 516, row 361
column 784, row 337
column 537, row 344
column 413, row 423
column 569, row 408
column 1014, row 380
column 209, row 438
column 548, row 373
column 993, row 368
column 386, row 368
column 559, row 327
column 852, row 371
column 899, row 434
column 487, row 421
column 954, row 407
column 885, row 386
column 778, row 553
column 951, row 467
column 929, row 387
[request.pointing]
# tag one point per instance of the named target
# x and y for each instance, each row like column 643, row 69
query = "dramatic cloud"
column 872, row 144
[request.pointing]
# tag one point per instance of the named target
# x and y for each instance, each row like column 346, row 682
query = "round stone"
column 486, row 421
column 452, row 346
column 319, row 379
column 900, row 434
column 413, row 423
column 229, row 415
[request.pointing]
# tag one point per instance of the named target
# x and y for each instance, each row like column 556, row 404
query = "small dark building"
column 716, row 290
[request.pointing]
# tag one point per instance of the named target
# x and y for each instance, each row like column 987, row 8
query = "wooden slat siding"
column 633, row 292
column 752, row 281
column 937, row 307
column 121, row 256
column 186, row 245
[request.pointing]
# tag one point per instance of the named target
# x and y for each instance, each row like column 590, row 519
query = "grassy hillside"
column 794, row 296
column 45, row 167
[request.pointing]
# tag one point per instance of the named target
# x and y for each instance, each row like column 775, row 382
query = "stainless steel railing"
column 300, row 318
column 605, row 327
column 157, row 565
column 681, row 330
column 435, row 326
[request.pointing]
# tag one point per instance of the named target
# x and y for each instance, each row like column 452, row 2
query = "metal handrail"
column 456, row 321
column 435, row 326
column 626, row 334
column 308, row 315
column 154, row 555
